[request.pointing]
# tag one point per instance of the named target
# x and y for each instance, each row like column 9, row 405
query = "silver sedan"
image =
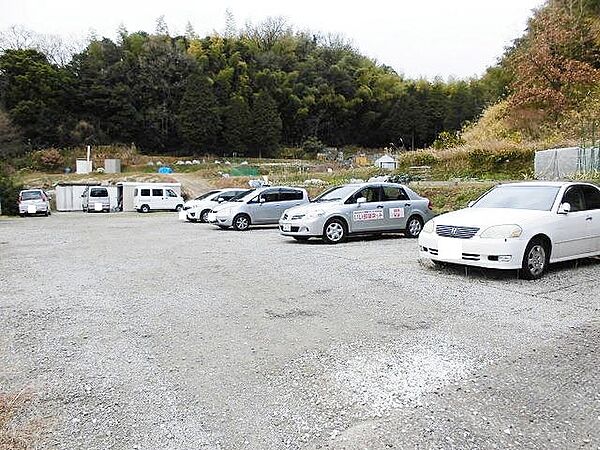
column 358, row 209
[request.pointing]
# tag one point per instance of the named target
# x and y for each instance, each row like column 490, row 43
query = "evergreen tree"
column 236, row 124
column 198, row 114
column 265, row 132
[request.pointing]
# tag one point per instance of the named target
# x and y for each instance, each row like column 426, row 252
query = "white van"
column 147, row 198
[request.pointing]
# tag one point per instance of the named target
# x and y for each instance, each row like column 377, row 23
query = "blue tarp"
column 165, row 169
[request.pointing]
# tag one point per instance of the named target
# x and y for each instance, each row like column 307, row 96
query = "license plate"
column 97, row 206
column 286, row 227
column 450, row 249
column 31, row 209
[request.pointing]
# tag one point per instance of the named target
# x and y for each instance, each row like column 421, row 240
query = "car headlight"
column 502, row 232
column 429, row 227
column 314, row 214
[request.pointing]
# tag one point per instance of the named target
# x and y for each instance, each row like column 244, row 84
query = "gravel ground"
column 141, row 332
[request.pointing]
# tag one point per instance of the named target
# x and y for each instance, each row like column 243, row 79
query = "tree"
column 236, row 124
column 198, row 118
column 265, row 132
column 11, row 140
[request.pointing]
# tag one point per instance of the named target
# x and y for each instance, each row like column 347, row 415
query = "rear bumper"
column 488, row 253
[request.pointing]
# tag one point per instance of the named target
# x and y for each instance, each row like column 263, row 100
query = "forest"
column 249, row 91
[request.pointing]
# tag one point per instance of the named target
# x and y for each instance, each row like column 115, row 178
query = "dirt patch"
column 15, row 435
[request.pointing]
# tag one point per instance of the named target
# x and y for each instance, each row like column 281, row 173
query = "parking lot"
column 140, row 331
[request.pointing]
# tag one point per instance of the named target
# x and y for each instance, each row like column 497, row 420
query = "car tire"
column 335, row 231
column 204, row 216
column 301, row 238
column 241, row 222
column 178, row 208
column 145, row 209
column 46, row 213
column 535, row 260
column 414, row 226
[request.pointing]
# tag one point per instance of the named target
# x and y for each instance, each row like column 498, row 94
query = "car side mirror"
column 261, row 200
column 220, row 200
column 564, row 208
column 470, row 204
column 361, row 200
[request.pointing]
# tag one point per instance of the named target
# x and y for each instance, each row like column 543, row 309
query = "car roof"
column 543, row 183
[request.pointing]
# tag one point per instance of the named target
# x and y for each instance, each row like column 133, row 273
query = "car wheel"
column 46, row 213
column 144, row 208
column 414, row 225
column 301, row 238
column 535, row 260
column 241, row 222
column 335, row 231
column 178, row 208
column 204, row 216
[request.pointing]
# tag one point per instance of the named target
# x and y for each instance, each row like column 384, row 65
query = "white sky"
column 416, row 37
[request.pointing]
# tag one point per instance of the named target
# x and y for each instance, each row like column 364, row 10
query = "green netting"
column 244, row 171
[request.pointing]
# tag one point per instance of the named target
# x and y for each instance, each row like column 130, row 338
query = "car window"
column 227, row 195
column 31, row 195
column 371, row 193
column 539, row 198
column 171, row 193
column 574, row 196
column 157, row 192
column 145, row 192
column 392, row 193
column 290, row 194
column 99, row 193
column 591, row 196
column 270, row 196
column 209, row 193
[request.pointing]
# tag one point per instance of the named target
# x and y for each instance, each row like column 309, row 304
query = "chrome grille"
column 456, row 232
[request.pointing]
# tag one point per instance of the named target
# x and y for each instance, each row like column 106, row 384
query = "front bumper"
column 302, row 227
column 488, row 253
column 221, row 220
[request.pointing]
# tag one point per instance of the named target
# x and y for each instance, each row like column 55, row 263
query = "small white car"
column 34, row 201
column 197, row 210
column 258, row 207
column 523, row 226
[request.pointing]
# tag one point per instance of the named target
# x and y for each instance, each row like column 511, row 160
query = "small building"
column 386, row 162
column 112, row 166
column 360, row 160
column 68, row 195
column 83, row 166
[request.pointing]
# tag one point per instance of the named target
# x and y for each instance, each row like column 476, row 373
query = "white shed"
column 386, row 162
column 68, row 195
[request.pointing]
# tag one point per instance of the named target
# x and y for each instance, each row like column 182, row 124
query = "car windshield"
column 336, row 193
column 540, row 198
column 203, row 196
column 241, row 195
column 31, row 195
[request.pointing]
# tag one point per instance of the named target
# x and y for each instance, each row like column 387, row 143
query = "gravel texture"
column 141, row 332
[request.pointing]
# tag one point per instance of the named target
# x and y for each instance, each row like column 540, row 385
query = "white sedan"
column 523, row 226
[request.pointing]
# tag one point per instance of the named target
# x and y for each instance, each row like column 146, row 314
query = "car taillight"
column 430, row 205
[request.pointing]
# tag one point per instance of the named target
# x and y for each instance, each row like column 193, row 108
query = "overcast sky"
column 416, row 37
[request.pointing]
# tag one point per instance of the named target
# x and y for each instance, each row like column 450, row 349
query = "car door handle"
column 407, row 204
column 589, row 218
column 380, row 206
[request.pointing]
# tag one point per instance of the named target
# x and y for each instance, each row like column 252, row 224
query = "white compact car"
column 197, row 210
column 523, row 226
column 261, row 206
